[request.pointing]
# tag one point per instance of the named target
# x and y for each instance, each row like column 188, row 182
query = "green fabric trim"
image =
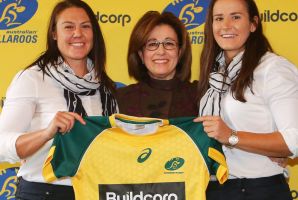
column 67, row 160
column 196, row 132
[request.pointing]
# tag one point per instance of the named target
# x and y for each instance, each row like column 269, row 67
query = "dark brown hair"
column 139, row 37
column 97, row 53
column 255, row 47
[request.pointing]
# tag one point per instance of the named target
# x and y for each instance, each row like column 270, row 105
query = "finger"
column 206, row 118
column 209, row 123
column 62, row 128
column 201, row 119
column 211, row 134
column 208, row 129
column 77, row 117
column 71, row 116
column 198, row 119
column 65, row 122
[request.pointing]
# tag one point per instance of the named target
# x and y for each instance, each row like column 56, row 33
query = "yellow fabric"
column 222, row 172
column 48, row 172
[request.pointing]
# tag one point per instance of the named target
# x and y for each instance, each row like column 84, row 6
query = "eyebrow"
column 233, row 13
column 167, row 38
column 70, row 22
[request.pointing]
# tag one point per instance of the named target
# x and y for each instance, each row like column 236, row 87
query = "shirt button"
column 47, row 193
column 243, row 190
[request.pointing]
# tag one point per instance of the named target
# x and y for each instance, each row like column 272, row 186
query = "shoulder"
column 277, row 75
column 25, row 81
column 189, row 86
column 272, row 62
column 31, row 74
column 132, row 88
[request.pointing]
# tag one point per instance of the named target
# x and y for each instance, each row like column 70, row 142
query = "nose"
column 226, row 23
column 77, row 32
column 160, row 49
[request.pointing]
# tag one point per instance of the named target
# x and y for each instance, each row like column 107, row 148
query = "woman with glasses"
column 159, row 58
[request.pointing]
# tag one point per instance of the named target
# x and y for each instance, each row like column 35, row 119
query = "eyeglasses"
column 152, row 45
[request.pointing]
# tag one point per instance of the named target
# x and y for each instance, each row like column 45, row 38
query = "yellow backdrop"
column 22, row 38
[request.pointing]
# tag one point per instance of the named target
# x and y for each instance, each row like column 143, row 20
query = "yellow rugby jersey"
column 131, row 158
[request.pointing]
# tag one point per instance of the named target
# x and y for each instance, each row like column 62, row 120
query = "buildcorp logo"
column 145, row 191
column 121, row 19
column 192, row 13
column 278, row 16
column 16, row 12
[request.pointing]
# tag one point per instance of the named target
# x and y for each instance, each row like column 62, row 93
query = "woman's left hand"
column 215, row 127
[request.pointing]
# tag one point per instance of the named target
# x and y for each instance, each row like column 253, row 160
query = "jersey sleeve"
column 67, row 150
column 210, row 149
column 218, row 165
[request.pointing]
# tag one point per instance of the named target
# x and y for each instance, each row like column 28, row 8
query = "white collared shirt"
column 32, row 100
column 273, row 106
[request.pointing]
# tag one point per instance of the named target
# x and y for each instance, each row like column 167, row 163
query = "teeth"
column 160, row 61
column 227, row 35
column 77, row 44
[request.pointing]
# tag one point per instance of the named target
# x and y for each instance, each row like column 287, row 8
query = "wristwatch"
column 233, row 139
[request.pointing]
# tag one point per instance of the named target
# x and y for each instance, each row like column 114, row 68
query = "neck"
column 228, row 58
column 79, row 67
column 163, row 84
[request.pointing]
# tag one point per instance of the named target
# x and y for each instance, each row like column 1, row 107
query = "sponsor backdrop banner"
column 23, row 26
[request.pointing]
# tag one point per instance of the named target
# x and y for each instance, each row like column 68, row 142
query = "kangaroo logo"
column 8, row 180
column 174, row 164
column 191, row 12
column 16, row 12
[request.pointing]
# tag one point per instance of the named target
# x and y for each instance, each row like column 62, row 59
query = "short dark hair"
column 139, row 37
column 255, row 47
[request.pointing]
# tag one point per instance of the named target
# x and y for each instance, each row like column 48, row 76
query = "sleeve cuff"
column 291, row 138
column 8, row 152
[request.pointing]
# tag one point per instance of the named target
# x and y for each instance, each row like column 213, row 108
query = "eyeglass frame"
column 163, row 44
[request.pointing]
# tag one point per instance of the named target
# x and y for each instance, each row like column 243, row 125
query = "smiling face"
column 74, row 34
column 231, row 26
column 161, row 63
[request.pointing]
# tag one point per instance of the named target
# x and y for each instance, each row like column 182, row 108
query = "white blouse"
column 32, row 100
column 273, row 106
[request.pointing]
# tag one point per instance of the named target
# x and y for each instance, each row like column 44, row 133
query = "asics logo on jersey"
column 174, row 163
column 141, row 196
column 145, row 155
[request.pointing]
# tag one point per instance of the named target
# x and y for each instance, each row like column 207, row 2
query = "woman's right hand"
column 62, row 122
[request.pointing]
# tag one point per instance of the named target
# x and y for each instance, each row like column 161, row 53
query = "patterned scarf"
column 219, row 83
column 88, row 85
